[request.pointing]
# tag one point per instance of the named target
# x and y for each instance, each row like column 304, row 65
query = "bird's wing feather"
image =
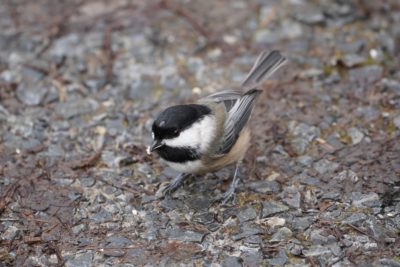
column 227, row 97
column 239, row 105
column 265, row 65
column 238, row 115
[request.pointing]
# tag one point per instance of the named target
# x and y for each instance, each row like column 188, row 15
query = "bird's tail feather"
column 265, row 65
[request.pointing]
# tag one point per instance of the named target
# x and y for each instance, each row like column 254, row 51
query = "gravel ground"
column 81, row 81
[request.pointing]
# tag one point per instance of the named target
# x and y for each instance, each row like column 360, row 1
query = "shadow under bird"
column 213, row 133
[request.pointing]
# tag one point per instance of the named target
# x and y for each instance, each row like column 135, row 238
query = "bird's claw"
column 170, row 187
column 226, row 197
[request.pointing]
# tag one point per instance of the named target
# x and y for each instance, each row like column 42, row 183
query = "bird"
column 212, row 133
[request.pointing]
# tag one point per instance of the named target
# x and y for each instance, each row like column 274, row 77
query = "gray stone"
column 74, row 195
column 301, row 223
column 315, row 251
column 355, row 134
column 186, row 235
column 367, row 74
column 31, row 95
column 308, row 180
column 305, row 160
column 247, row 230
column 331, row 195
column 280, row 150
column 304, row 130
column 295, row 249
column 387, row 263
column 252, row 259
column 72, row 109
column 392, row 85
column 311, row 17
column 79, row 228
column 351, row 47
column 351, row 60
column 368, row 112
column 325, row 166
column 311, row 73
column 118, row 241
column 254, row 240
column 111, row 252
column 84, row 259
column 10, row 233
column 396, row 122
column 299, row 145
column 204, row 218
column 264, row 186
column 283, row 233
column 354, row 218
column 272, row 207
column 141, row 88
column 102, row 216
column 247, row 213
column 347, row 175
column 292, row 197
column 303, row 135
column 199, row 203
column 280, row 259
column 87, row 181
column 233, row 261
column 171, row 204
column 370, row 199
column 317, row 238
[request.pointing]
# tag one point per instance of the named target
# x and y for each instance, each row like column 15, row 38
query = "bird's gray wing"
column 227, row 97
column 238, row 115
column 266, row 64
column 238, row 105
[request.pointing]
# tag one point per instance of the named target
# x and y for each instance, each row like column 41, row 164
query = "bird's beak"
column 155, row 145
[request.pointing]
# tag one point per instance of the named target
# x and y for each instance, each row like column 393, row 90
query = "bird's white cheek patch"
column 199, row 135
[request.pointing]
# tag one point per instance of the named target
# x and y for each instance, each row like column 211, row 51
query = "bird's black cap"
column 175, row 119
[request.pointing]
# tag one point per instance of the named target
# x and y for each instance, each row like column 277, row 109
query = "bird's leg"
column 231, row 191
column 174, row 184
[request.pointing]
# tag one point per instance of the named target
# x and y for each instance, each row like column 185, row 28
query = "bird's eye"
column 176, row 131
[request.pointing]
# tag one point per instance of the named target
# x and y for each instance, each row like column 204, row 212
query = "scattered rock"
column 354, row 218
column 292, row 197
column 280, row 259
column 186, row 235
column 356, row 135
column 366, row 75
column 283, row 233
column 276, row 221
column 84, row 259
column 351, row 60
column 231, row 261
column 325, row 166
column 264, row 187
column 247, row 213
column 247, row 230
column 396, row 122
column 272, row 207
column 370, row 199
column 392, row 85
column 31, row 94
column 317, row 238
column 315, row 251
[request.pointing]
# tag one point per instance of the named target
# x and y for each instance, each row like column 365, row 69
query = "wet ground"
column 81, row 81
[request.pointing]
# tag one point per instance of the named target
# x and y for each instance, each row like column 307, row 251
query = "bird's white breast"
column 198, row 136
column 186, row 167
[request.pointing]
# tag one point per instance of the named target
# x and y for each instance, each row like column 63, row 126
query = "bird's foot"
column 170, row 187
column 227, row 196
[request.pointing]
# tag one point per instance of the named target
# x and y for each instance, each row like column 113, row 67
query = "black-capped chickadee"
column 211, row 134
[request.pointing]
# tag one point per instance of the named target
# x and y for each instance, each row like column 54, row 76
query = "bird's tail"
column 266, row 64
